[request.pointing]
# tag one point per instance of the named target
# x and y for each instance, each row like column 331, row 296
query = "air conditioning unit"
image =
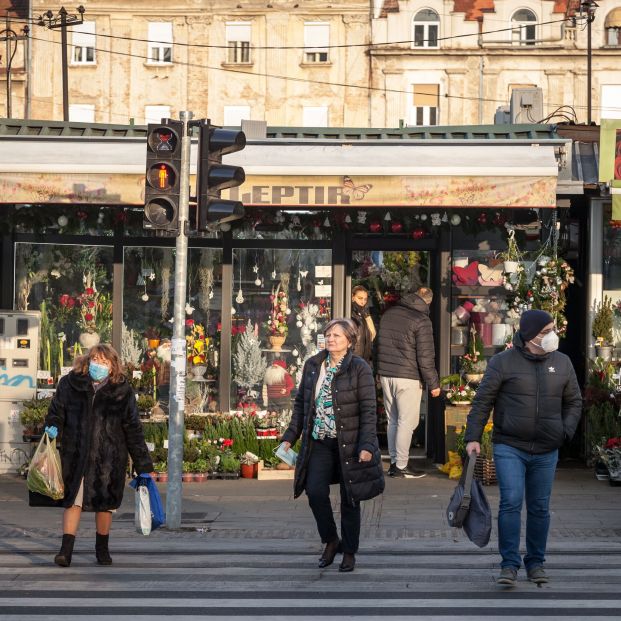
column 502, row 115
column 526, row 105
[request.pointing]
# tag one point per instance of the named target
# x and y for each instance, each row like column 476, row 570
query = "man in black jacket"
column 537, row 404
column 406, row 361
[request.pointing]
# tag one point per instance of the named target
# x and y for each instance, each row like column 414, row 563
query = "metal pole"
column 8, row 68
column 63, row 35
column 589, row 21
column 178, row 361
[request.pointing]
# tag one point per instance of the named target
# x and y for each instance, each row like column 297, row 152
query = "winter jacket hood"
column 536, row 400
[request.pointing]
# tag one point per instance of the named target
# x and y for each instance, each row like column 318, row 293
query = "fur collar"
column 83, row 383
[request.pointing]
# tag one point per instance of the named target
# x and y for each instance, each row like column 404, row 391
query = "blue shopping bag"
column 158, row 517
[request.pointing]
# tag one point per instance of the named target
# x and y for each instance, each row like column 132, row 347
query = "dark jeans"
column 323, row 464
column 521, row 475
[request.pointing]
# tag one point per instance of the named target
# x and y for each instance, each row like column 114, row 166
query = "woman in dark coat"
column 365, row 327
column 335, row 415
column 94, row 414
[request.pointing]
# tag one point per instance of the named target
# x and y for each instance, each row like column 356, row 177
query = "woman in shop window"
column 365, row 328
column 95, row 417
column 334, row 414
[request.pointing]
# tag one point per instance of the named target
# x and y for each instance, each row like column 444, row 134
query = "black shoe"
column 101, row 549
column 348, row 563
column 391, row 469
column 63, row 558
column 329, row 552
column 406, row 473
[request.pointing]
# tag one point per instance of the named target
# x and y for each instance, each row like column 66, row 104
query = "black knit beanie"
column 532, row 322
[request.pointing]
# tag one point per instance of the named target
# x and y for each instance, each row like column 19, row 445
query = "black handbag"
column 468, row 507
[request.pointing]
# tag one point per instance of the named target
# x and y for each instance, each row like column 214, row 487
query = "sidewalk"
column 586, row 514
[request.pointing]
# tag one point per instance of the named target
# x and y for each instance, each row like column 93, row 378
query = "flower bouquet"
column 472, row 363
column 460, row 394
column 276, row 324
column 609, row 454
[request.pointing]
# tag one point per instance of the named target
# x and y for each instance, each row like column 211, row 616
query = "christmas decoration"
column 249, row 365
column 396, row 227
column 375, row 226
column 419, row 234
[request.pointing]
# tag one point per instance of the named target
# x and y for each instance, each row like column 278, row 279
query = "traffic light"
column 213, row 176
column 161, row 196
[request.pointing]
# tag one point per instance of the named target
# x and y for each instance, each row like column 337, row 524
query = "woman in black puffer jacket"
column 335, row 415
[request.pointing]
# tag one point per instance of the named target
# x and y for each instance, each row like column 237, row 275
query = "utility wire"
column 304, row 80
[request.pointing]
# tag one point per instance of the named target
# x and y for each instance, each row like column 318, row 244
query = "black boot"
column 63, row 558
column 348, row 563
column 330, row 551
column 101, row 550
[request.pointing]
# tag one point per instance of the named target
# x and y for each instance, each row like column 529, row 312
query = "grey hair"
column 348, row 327
column 426, row 294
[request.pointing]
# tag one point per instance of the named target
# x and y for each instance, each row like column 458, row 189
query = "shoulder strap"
column 465, row 502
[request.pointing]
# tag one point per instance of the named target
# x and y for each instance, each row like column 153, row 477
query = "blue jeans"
column 521, row 475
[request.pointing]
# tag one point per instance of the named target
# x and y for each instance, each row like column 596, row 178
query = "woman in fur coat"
column 94, row 414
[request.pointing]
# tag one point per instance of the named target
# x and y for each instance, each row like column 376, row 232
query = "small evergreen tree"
column 248, row 362
column 602, row 322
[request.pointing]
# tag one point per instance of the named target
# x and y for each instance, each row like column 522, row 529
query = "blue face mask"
column 98, row 372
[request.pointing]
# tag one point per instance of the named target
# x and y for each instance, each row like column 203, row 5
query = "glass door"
column 386, row 276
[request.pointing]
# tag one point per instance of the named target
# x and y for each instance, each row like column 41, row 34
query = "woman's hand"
column 473, row 447
column 365, row 456
column 286, row 445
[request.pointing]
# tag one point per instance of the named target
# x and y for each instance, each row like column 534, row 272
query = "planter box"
column 455, row 417
column 271, row 474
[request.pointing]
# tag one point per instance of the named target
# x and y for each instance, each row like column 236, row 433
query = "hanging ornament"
column 225, row 226
column 396, row 227
column 145, row 297
column 273, row 274
column 240, row 297
column 255, row 269
column 455, row 219
column 233, row 311
column 419, row 234
column 257, row 282
column 299, row 283
column 387, row 217
column 326, row 222
column 375, row 226
column 299, row 324
column 423, row 217
column 295, row 353
column 436, row 220
column 189, row 309
column 445, row 218
column 482, row 219
column 362, row 217
column 63, row 221
column 347, row 219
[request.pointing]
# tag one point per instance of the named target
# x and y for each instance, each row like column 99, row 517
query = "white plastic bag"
column 143, row 510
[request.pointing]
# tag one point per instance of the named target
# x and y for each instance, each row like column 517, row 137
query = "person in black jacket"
column 364, row 323
column 94, row 414
column 335, row 415
column 406, row 360
column 534, row 393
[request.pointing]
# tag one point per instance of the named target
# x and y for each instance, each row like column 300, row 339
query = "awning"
column 613, row 19
column 111, row 171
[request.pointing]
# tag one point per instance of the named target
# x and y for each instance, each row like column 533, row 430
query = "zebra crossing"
column 203, row 578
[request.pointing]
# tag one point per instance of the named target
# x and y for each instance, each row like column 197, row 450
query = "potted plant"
column 201, row 468
column 602, row 328
column 473, row 364
column 145, row 403
column 161, row 469
column 511, row 256
column 187, row 472
column 33, row 415
column 153, row 337
column 249, row 465
column 229, row 464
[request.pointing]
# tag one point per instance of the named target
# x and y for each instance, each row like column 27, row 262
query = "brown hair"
column 426, row 294
column 359, row 288
column 80, row 364
column 348, row 327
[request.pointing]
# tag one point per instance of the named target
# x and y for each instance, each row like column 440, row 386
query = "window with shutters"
column 426, row 27
column 612, row 27
column 524, row 27
column 160, row 42
column 238, row 42
column 316, row 42
column 83, row 44
column 426, row 104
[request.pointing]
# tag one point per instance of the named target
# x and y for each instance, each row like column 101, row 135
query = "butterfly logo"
column 357, row 192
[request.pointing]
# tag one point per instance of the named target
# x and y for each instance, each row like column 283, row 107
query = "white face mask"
column 549, row 342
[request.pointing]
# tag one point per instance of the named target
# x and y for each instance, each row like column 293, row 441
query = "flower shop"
column 490, row 241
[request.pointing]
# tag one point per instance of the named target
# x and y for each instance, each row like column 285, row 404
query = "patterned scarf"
column 325, row 422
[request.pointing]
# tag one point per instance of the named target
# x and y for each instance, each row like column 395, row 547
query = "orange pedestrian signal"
column 163, row 177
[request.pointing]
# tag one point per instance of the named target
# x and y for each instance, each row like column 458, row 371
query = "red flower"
column 241, row 329
column 71, row 302
column 219, row 327
column 88, row 317
column 64, row 299
column 189, row 323
column 90, row 291
column 91, row 304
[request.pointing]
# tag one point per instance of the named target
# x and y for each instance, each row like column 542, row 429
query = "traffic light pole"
column 178, row 360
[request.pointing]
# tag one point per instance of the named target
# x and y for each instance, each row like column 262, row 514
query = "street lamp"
column 587, row 10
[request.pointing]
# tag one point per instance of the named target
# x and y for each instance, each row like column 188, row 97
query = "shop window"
column 238, row 42
column 288, row 224
column 84, row 43
column 234, row 115
column 281, row 302
column 160, row 42
column 426, row 103
column 68, row 219
column 147, row 323
column 524, row 27
column 316, row 42
column 612, row 27
column 426, row 26
column 72, row 288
